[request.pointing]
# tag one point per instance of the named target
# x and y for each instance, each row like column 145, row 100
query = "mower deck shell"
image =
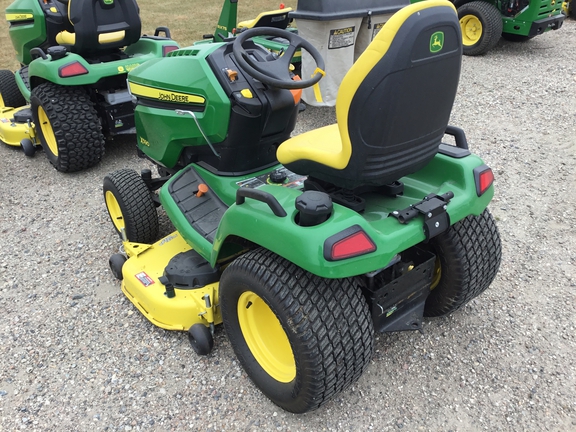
column 141, row 272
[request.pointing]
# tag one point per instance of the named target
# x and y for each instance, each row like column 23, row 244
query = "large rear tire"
column 481, row 25
column 130, row 206
column 300, row 338
column 68, row 126
column 468, row 257
column 10, row 95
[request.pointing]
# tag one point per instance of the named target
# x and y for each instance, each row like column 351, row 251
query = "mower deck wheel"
column 481, row 25
column 116, row 262
column 201, row 339
column 28, row 147
column 10, row 95
column 130, row 206
column 68, row 126
column 300, row 338
column 468, row 257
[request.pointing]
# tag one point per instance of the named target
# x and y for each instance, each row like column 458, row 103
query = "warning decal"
column 144, row 279
column 376, row 29
column 341, row 38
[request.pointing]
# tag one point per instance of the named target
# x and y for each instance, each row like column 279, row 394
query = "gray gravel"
column 76, row 355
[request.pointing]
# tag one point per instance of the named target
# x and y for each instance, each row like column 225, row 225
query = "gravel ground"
column 76, row 355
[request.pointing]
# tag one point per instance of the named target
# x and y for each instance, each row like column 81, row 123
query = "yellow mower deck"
column 141, row 272
column 12, row 133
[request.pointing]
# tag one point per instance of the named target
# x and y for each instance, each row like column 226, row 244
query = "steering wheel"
column 276, row 73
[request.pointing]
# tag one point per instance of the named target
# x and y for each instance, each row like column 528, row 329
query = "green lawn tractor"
column 303, row 247
column 75, row 57
column 484, row 21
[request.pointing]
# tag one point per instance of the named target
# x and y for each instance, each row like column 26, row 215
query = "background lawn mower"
column 75, row 57
column 369, row 224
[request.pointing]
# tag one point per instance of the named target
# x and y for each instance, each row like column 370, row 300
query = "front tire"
column 481, row 25
column 68, row 126
column 468, row 257
column 130, row 206
column 10, row 95
column 300, row 338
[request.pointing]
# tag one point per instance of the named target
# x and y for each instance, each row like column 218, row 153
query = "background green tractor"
column 75, row 56
column 484, row 21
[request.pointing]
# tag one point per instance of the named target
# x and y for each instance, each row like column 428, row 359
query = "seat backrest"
column 394, row 104
column 104, row 24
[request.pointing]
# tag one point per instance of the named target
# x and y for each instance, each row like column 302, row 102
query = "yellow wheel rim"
column 47, row 131
column 2, row 104
column 471, row 29
column 436, row 275
column 266, row 338
column 114, row 211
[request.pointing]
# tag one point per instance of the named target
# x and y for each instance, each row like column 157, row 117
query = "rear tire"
column 300, row 338
column 130, row 206
column 481, row 25
column 10, row 95
column 468, row 257
column 68, row 126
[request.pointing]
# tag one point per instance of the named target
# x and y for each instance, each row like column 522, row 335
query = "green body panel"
column 26, row 34
column 303, row 246
column 536, row 10
column 162, row 134
column 227, row 21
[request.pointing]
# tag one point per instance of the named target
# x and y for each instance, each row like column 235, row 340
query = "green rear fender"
column 145, row 49
column 304, row 246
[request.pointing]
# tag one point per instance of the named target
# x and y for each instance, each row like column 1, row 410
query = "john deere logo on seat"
column 436, row 42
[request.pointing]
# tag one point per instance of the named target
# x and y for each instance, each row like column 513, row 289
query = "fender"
column 42, row 70
column 304, row 246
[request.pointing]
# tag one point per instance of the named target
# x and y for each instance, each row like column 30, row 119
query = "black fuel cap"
column 314, row 206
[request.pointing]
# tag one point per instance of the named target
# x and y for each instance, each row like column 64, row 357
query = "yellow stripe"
column 19, row 17
column 165, row 95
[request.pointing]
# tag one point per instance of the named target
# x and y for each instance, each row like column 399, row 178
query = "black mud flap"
column 398, row 304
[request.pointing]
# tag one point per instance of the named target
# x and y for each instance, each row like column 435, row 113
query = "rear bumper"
column 549, row 23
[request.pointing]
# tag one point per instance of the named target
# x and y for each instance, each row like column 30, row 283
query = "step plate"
column 203, row 213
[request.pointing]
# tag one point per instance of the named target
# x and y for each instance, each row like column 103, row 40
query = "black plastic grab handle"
column 164, row 30
column 459, row 136
column 258, row 195
column 38, row 52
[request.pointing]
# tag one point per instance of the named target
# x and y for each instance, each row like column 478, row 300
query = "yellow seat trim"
column 253, row 22
column 65, row 38
column 106, row 38
column 334, row 150
column 318, row 145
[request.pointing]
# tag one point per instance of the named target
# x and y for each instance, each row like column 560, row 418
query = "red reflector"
column 483, row 177
column 72, row 69
column 351, row 246
column 168, row 48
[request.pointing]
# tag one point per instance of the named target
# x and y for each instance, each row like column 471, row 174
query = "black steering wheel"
column 276, row 73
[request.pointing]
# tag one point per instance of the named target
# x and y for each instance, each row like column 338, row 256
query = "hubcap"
column 471, row 29
column 115, row 211
column 265, row 337
column 47, row 131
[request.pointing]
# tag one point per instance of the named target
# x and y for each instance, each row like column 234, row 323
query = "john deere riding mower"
column 75, row 56
column 303, row 247
column 483, row 21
